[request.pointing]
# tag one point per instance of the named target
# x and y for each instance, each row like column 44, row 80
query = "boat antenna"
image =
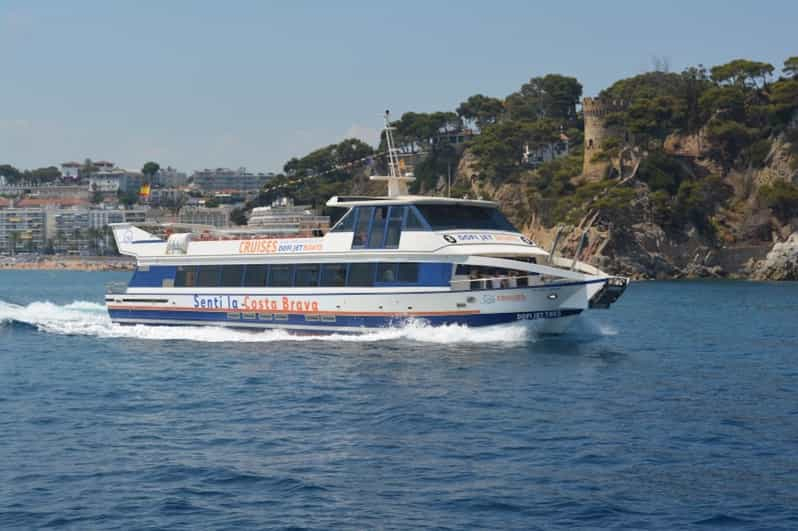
column 397, row 183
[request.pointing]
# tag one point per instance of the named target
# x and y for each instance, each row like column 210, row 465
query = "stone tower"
column 597, row 132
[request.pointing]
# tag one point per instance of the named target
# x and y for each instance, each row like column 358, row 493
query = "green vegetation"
column 781, row 198
column 732, row 113
column 661, row 173
column 149, row 170
column 238, row 216
column 481, row 110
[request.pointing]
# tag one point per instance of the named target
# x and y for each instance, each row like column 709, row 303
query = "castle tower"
column 597, row 132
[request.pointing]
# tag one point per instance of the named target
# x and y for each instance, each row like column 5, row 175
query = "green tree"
column 499, row 148
column 791, row 67
column 47, row 174
column 783, row 101
column 10, row 173
column 781, row 198
column 421, row 129
column 661, row 172
column 331, row 159
column 697, row 200
column 238, row 216
column 482, row 110
column 149, row 170
column 211, row 202
column 742, row 72
column 552, row 96
column 728, row 139
column 654, row 118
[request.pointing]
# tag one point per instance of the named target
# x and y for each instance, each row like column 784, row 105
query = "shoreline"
column 68, row 263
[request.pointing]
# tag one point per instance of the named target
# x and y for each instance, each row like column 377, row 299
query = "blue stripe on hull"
column 354, row 321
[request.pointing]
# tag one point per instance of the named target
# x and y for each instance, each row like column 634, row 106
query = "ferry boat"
column 388, row 261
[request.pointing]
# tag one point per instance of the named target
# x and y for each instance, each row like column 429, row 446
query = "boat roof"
column 352, row 201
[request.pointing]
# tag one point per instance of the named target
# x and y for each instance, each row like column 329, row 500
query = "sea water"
column 677, row 408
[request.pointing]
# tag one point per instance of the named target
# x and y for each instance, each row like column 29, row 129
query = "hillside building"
column 284, row 219
column 226, row 179
column 22, row 230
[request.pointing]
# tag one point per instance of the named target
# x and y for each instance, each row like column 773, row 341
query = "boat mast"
column 397, row 183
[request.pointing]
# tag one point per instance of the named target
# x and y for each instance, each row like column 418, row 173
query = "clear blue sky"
column 253, row 83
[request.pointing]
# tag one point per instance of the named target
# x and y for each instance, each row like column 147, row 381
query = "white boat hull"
column 551, row 307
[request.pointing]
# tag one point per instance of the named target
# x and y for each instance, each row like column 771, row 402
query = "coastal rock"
column 781, row 263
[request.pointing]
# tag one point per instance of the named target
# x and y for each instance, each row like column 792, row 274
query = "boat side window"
column 231, row 275
column 255, row 275
column 280, row 275
column 377, row 232
column 408, row 272
column 306, row 275
column 458, row 216
column 386, row 272
column 413, row 221
column 362, row 226
column 209, row 276
column 333, row 275
column 393, row 272
column 185, row 277
column 394, row 231
column 361, row 274
column 462, row 269
column 346, row 223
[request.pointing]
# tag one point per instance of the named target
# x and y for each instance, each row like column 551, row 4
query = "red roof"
column 58, row 201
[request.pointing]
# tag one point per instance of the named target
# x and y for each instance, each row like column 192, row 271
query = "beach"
column 71, row 263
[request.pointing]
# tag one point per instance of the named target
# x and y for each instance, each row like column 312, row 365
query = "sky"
column 253, row 83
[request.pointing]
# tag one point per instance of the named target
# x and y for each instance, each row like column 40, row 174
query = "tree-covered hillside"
column 707, row 155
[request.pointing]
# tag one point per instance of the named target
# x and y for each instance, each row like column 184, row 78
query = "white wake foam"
column 91, row 319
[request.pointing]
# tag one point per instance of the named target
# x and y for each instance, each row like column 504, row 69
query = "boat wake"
column 83, row 318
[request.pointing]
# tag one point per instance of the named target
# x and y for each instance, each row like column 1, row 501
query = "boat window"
column 333, row 275
column 362, row 226
column 208, row 276
column 185, row 277
column 361, row 274
column 280, row 275
column 413, row 222
column 306, row 275
column 386, row 273
column 231, row 275
column 450, row 217
column 255, row 275
column 377, row 231
column 408, row 272
column 397, row 272
column 346, row 223
column 394, row 231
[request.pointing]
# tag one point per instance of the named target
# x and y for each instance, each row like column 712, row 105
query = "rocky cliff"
column 735, row 237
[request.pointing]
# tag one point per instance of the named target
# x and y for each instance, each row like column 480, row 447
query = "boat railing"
column 520, row 281
column 115, row 288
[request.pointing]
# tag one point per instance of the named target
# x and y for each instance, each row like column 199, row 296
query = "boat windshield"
column 450, row 217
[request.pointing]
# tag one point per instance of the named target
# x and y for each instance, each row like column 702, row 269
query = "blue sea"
column 676, row 409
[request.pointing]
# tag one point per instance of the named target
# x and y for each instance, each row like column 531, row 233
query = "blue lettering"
column 196, row 301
